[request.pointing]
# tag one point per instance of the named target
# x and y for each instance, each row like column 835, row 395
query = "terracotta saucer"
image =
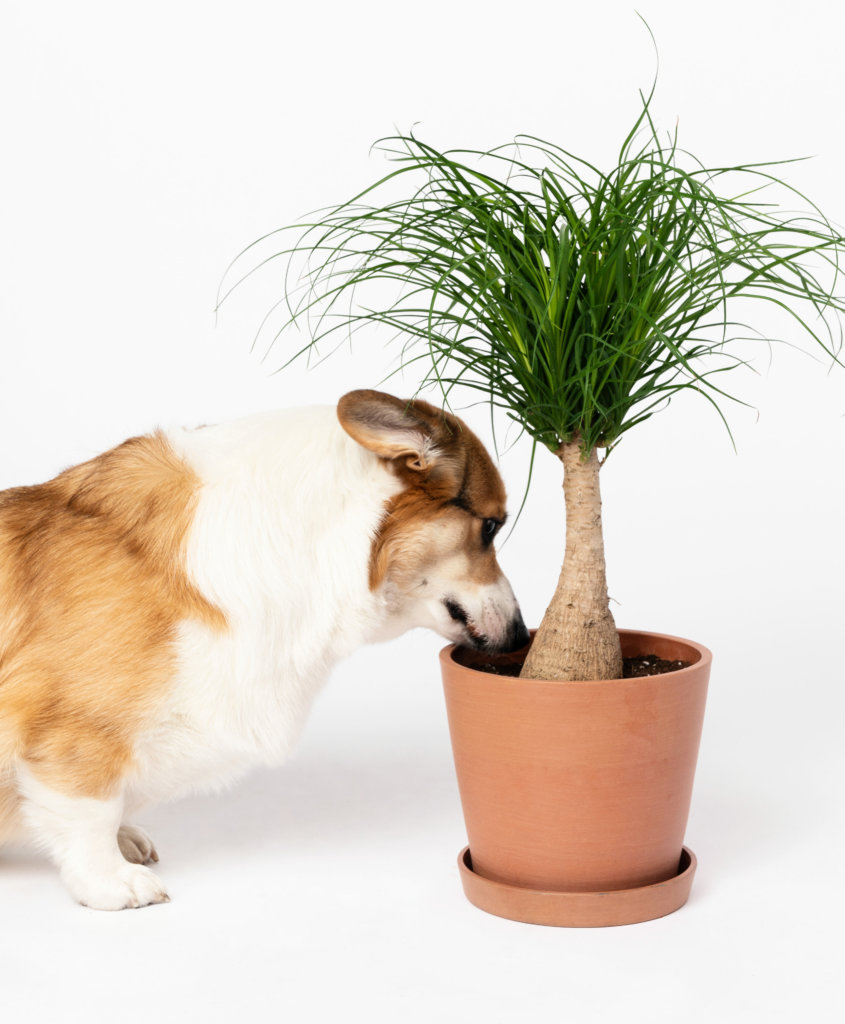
column 578, row 909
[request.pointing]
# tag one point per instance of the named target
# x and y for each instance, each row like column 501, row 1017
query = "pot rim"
column 704, row 659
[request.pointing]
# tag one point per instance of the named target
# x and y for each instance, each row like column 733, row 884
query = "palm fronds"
column 577, row 300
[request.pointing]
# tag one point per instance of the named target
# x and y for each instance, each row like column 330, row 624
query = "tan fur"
column 91, row 591
column 11, row 826
column 450, row 499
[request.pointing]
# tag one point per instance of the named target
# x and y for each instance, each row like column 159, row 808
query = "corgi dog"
column 169, row 609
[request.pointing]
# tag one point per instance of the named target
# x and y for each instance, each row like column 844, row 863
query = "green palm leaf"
column 578, row 301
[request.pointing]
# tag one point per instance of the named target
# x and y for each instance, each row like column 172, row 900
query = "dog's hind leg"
column 11, row 823
column 80, row 834
column 135, row 845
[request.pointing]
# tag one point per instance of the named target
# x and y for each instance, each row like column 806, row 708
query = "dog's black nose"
column 518, row 636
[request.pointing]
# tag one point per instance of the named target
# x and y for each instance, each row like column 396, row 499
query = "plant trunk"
column 577, row 638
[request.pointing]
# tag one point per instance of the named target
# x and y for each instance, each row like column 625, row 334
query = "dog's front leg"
column 80, row 834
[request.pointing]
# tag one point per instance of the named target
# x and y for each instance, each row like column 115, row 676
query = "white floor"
column 329, row 891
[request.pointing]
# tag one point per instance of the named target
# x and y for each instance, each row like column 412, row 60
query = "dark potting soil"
column 649, row 665
column 632, row 668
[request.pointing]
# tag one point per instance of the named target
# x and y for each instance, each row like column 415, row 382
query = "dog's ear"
column 413, row 434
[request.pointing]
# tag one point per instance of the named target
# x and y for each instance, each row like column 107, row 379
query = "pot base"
column 578, row 909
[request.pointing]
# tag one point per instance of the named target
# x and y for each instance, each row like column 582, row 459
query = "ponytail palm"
column 577, row 300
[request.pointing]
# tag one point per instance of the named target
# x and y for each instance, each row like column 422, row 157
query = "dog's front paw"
column 135, row 845
column 131, row 886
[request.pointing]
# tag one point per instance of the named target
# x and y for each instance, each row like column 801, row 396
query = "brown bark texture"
column 577, row 638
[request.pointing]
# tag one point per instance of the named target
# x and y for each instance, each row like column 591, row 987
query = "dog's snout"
column 492, row 629
column 514, row 637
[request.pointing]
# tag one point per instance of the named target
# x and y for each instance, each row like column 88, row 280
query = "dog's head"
column 433, row 556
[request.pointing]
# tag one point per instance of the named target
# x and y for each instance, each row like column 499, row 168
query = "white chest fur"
column 280, row 542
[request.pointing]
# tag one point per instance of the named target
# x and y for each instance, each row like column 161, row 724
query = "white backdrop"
column 143, row 147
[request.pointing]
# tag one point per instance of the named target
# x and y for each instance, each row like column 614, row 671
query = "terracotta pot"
column 575, row 788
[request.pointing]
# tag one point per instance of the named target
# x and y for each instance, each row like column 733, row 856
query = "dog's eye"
column 489, row 529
